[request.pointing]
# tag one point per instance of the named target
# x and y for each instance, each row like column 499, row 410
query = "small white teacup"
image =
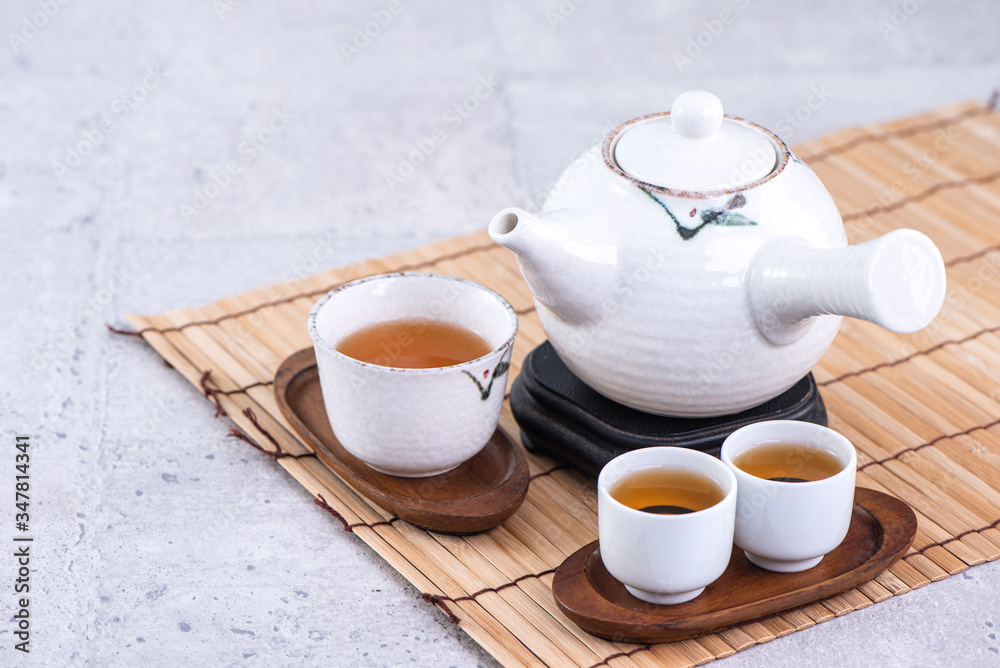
column 412, row 422
column 665, row 558
column 785, row 526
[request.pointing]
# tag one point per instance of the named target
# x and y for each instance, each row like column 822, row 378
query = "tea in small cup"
column 665, row 520
column 796, row 492
column 413, row 368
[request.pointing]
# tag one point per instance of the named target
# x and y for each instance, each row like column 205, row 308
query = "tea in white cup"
column 796, row 492
column 404, row 393
column 665, row 519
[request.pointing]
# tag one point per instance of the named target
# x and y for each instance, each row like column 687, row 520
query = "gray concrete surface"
column 160, row 542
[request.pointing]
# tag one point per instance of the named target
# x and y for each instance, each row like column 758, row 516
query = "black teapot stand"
column 562, row 417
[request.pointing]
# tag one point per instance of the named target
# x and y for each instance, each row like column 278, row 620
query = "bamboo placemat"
column 923, row 410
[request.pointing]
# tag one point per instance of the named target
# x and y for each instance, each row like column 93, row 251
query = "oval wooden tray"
column 477, row 496
column 882, row 529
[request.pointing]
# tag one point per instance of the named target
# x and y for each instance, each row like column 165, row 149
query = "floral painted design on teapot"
column 725, row 216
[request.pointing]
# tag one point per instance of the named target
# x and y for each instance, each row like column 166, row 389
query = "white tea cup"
column 412, row 422
column 789, row 527
column 665, row 559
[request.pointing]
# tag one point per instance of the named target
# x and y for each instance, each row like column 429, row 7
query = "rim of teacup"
column 325, row 345
column 604, row 485
column 849, row 468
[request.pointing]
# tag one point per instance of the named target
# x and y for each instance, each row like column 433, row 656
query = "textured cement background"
column 158, row 541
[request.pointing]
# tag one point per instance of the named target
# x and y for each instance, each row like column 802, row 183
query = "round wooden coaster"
column 477, row 496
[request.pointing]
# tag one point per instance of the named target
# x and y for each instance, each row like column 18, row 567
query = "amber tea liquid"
column 788, row 462
column 414, row 344
column 667, row 491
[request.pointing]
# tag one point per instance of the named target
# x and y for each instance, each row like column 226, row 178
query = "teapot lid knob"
column 695, row 148
column 696, row 114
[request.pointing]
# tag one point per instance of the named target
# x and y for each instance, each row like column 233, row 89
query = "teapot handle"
column 896, row 280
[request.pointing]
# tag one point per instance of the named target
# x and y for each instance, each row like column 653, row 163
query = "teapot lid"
column 695, row 147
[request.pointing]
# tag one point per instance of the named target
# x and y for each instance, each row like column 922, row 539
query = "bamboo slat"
column 923, row 410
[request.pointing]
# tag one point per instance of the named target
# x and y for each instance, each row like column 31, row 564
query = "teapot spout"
column 523, row 234
column 569, row 266
column 896, row 281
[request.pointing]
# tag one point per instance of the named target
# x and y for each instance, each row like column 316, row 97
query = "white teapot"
column 692, row 266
